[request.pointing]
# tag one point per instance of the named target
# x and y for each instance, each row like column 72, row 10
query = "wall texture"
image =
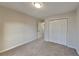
column 15, row 29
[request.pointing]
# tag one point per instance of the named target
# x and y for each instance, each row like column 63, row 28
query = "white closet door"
column 57, row 31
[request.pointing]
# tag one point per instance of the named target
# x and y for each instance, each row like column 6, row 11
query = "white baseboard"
column 16, row 46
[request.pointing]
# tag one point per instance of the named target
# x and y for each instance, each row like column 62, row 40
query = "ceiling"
column 48, row 9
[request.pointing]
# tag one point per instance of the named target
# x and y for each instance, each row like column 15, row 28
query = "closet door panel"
column 57, row 31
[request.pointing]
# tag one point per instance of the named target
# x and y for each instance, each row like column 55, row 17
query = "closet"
column 57, row 31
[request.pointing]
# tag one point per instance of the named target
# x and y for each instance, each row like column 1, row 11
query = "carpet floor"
column 41, row 48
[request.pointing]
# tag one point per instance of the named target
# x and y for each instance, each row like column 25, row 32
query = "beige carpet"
column 41, row 48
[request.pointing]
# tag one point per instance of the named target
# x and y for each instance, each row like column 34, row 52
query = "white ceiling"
column 48, row 9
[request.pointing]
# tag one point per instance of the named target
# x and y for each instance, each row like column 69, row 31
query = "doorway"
column 41, row 26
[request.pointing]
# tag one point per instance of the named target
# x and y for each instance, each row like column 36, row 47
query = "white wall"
column 71, row 34
column 71, row 28
column 77, row 24
column 16, row 29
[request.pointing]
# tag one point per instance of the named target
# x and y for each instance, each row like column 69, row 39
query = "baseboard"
column 77, row 51
column 16, row 46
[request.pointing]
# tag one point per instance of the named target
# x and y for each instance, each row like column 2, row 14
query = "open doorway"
column 41, row 25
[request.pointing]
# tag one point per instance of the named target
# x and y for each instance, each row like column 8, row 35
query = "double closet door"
column 58, row 31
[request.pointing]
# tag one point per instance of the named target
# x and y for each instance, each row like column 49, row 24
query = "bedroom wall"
column 77, row 25
column 15, row 28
